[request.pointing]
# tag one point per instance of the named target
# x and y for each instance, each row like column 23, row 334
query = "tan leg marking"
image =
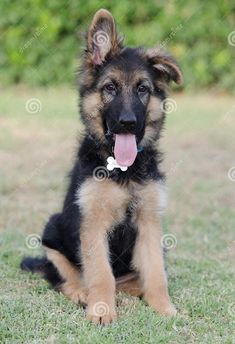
column 103, row 205
column 72, row 287
column 148, row 255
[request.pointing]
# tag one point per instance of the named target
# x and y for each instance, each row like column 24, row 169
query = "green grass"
column 37, row 152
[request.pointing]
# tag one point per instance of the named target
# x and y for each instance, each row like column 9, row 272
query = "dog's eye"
column 142, row 89
column 110, row 87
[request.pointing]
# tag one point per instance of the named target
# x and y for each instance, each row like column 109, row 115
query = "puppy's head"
column 122, row 89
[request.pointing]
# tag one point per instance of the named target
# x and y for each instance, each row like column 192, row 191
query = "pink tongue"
column 125, row 149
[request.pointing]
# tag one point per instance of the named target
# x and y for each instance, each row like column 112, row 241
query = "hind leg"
column 72, row 285
column 129, row 284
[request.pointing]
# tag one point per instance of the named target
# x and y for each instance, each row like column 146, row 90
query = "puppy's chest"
column 146, row 198
column 108, row 201
column 133, row 208
column 137, row 202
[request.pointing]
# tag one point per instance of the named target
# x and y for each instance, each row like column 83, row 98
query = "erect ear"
column 102, row 37
column 165, row 64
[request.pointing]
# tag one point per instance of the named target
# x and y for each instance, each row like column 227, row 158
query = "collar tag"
column 111, row 164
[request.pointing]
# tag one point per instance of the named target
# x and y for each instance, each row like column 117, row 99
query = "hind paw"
column 75, row 293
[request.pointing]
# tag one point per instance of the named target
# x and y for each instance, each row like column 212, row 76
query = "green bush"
column 40, row 39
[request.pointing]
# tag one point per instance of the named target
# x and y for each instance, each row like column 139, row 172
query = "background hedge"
column 40, row 41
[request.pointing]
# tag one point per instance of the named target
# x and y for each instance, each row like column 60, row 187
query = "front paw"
column 101, row 312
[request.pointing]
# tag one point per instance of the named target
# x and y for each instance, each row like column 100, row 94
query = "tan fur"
column 86, row 77
column 72, row 287
column 165, row 63
column 151, row 130
column 103, row 204
column 154, row 109
column 148, row 255
column 129, row 284
column 154, row 115
column 92, row 105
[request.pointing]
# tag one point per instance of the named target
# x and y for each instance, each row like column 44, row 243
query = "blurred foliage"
column 40, row 39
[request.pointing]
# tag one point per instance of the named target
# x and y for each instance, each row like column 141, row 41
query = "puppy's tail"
column 43, row 267
column 34, row 265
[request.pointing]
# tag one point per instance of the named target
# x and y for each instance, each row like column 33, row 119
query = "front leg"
column 98, row 277
column 102, row 204
column 148, row 253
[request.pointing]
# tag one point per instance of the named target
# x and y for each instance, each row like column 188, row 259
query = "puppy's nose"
column 127, row 120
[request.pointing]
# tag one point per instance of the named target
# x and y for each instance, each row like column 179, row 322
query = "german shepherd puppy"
column 108, row 234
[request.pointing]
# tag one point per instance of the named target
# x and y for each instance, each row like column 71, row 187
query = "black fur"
column 44, row 267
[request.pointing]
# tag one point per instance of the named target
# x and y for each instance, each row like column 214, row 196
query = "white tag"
column 113, row 164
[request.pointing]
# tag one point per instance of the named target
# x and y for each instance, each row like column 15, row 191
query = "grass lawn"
column 36, row 153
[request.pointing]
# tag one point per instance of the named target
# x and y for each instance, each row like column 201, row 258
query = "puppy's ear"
column 102, row 38
column 165, row 65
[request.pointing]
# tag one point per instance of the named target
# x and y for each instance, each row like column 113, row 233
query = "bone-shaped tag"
column 113, row 164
